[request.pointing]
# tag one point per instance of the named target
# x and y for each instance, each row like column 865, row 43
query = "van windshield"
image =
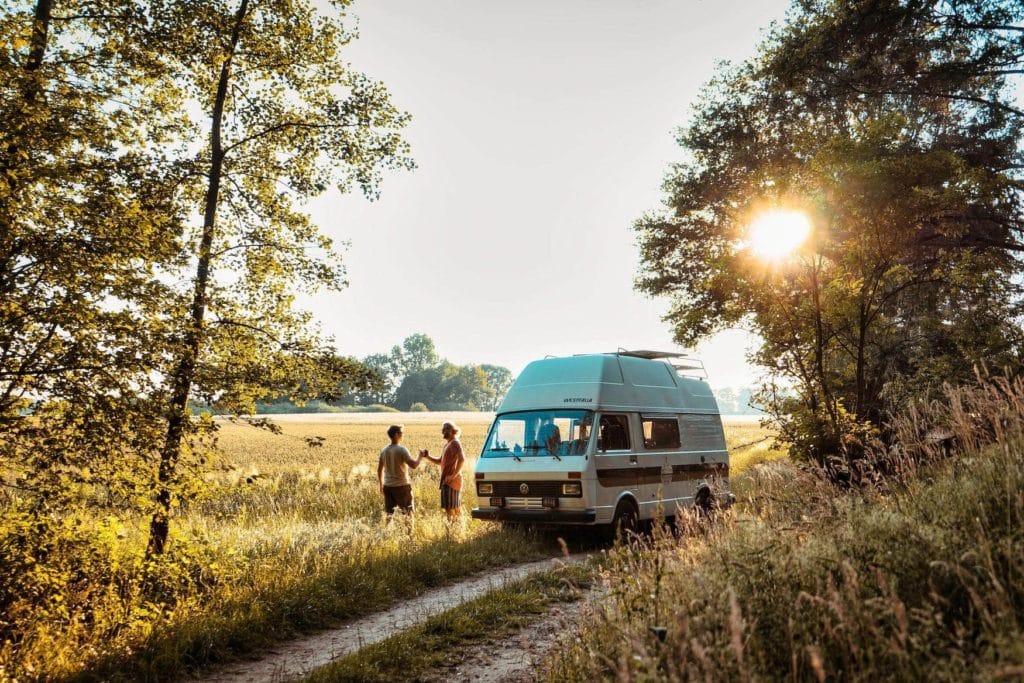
column 540, row 433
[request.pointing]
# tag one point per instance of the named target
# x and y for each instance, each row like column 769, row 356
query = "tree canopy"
column 154, row 163
column 889, row 124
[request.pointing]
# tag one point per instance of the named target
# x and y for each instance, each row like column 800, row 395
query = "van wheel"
column 625, row 520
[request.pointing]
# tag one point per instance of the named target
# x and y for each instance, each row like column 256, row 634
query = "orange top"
column 451, row 464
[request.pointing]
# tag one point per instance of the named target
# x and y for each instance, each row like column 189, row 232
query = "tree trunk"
column 185, row 369
column 8, row 165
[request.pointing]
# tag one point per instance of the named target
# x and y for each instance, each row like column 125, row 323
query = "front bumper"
column 550, row 516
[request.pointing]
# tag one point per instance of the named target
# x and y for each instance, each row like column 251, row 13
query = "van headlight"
column 573, row 489
column 485, row 489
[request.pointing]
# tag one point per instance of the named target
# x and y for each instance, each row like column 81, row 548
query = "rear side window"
column 660, row 432
column 613, row 434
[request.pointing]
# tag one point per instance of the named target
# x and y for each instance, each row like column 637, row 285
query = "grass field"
column 288, row 537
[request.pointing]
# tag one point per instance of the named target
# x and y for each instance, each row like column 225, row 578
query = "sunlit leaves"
column 912, row 188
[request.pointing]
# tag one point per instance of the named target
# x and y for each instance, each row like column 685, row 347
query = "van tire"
column 625, row 521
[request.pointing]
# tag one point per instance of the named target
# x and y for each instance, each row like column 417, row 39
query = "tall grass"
column 922, row 579
column 287, row 537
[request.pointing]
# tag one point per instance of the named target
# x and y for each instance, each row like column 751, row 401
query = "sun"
column 777, row 233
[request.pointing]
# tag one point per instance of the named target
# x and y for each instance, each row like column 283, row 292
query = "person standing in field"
column 451, row 462
column 393, row 473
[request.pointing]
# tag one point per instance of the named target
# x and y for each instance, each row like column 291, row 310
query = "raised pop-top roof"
column 610, row 381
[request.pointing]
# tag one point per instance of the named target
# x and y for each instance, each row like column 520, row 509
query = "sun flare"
column 775, row 234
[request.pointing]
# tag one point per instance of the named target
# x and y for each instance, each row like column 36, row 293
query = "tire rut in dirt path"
column 295, row 658
column 515, row 659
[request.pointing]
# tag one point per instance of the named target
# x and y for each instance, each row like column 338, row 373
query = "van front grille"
column 507, row 489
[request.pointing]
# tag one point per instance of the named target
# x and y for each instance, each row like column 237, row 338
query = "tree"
column 417, row 353
column 446, row 386
column 499, row 379
column 909, row 279
column 464, row 388
column 87, row 219
column 284, row 118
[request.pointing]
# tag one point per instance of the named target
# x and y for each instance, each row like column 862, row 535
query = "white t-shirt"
column 396, row 461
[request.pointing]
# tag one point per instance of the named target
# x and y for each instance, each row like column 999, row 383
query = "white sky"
column 542, row 130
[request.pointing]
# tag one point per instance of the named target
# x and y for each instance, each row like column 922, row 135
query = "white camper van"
column 603, row 439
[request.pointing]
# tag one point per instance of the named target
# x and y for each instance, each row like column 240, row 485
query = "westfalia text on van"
column 603, row 439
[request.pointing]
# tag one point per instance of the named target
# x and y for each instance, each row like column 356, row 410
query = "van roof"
column 609, row 381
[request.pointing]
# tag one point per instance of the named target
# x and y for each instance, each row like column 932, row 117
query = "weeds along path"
column 296, row 658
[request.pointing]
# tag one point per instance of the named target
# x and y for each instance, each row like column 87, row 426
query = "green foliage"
column 446, row 387
column 154, row 163
column 284, row 119
column 499, row 379
column 87, row 219
column 418, row 408
column 906, row 157
column 414, row 373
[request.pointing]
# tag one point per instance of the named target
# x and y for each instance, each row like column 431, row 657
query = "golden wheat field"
column 326, row 470
column 344, row 450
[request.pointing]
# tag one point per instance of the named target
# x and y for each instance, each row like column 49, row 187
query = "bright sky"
column 542, row 130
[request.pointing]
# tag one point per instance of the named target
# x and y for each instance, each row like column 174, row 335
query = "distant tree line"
column 412, row 376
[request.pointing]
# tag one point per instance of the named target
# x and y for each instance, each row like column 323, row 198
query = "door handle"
column 632, row 459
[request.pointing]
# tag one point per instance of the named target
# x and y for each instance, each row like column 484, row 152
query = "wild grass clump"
column 918, row 580
column 220, row 596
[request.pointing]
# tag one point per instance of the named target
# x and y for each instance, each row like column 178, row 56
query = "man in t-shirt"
column 393, row 473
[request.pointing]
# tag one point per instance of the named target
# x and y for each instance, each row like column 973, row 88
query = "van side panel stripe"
column 629, row 476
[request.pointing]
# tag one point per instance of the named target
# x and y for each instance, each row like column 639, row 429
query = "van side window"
column 613, row 434
column 660, row 432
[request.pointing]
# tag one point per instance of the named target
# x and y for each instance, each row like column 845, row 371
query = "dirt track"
column 296, row 658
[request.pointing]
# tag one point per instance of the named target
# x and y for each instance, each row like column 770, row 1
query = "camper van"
column 603, row 439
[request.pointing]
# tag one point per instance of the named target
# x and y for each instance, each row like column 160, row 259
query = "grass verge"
column 281, row 598
column 924, row 581
column 437, row 642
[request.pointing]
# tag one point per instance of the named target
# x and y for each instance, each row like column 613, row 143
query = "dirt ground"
column 515, row 659
column 296, row 658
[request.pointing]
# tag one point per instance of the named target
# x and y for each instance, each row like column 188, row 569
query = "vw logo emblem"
column 524, row 489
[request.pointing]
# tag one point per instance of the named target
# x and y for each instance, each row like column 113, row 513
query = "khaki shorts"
column 398, row 497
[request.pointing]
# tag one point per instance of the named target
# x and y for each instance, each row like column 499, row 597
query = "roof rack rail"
column 689, row 365
column 694, row 365
column 650, row 355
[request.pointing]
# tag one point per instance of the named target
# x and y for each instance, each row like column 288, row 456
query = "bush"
column 418, row 407
column 380, row 408
column 289, row 408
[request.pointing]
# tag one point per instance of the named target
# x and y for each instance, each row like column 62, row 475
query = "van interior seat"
column 613, row 436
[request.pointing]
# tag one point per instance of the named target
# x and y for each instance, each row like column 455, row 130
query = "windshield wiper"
column 556, row 457
column 498, row 450
column 516, row 457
